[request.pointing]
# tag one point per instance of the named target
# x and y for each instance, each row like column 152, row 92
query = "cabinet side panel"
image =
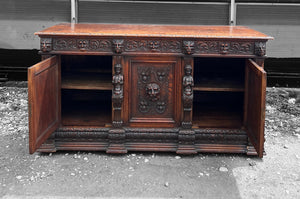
column 256, row 105
column 44, row 101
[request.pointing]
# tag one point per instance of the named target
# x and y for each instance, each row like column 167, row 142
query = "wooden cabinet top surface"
column 131, row 30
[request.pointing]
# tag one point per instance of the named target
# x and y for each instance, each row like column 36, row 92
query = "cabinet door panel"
column 153, row 97
column 255, row 110
column 43, row 101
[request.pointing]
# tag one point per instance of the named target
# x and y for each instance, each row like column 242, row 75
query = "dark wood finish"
column 256, row 96
column 43, row 101
column 153, row 97
column 184, row 89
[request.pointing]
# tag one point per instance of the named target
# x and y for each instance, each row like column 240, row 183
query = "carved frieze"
column 68, row 44
column 189, row 47
column 161, row 46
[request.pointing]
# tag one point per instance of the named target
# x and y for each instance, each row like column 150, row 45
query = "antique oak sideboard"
column 119, row 88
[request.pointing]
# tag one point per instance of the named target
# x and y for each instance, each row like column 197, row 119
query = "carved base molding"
column 181, row 141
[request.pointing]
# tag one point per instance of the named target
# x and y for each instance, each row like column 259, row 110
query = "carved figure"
column 118, row 81
column 188, row 81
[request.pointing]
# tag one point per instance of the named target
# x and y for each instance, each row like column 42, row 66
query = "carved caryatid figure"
column 187, row 83
column 118, row 81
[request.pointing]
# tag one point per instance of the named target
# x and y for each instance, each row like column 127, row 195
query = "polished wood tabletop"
column 136, row 30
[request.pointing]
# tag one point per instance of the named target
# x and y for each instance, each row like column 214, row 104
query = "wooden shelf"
column 87, row 81
column 86, row 113
column 221, row 117
column 215, row 85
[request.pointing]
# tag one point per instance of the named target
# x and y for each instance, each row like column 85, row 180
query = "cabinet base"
column 155, row 140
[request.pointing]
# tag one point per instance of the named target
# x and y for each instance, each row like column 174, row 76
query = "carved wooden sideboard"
column 119, row 88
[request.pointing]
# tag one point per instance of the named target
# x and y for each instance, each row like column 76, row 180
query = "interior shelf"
column 219, row 84
column 218, row 109
column 219, row 74
column 86, row 108
column 86, row 72
column 219, row 117
column 88, row 81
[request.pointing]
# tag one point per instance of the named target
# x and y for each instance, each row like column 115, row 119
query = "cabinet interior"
column 218, row 92
column 86, row 90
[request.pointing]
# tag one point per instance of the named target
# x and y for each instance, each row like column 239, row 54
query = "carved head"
column 260, row 48
column 188, row 47
column 188, row 70
column 118, row 45
column 46, row 44
column 224, row 47
column 153, row 91
column 154, row 45
column 118, row 69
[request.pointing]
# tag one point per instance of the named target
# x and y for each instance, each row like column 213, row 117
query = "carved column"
column 186, row 135
column 116, row 134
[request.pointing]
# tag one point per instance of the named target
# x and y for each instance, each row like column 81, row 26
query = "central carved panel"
column 153, row 86
column 152, row 91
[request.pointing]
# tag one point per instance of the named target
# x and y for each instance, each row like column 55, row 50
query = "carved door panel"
column 153, row 92
column 43, row 101
column 255, row 108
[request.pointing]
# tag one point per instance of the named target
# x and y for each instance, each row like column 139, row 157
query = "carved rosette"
column 46, row 44
column 260, row 48
column 151, row 81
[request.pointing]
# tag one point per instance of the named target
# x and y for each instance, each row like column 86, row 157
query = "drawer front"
column 153, row 91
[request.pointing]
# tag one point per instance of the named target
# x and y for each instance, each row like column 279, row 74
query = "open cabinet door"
column 255, row 112
column 43, row 101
